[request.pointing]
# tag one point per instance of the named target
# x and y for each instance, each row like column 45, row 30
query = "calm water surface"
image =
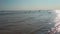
column 25, row 22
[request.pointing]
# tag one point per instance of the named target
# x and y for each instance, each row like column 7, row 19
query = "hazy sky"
column 29, row 4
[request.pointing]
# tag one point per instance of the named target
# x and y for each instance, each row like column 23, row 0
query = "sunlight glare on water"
column 57, row 20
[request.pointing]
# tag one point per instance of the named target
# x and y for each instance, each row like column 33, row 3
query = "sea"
column 26, row 21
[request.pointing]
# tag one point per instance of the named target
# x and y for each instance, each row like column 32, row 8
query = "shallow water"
column 25, row 22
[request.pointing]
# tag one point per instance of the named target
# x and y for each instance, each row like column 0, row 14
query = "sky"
column 29, row 4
